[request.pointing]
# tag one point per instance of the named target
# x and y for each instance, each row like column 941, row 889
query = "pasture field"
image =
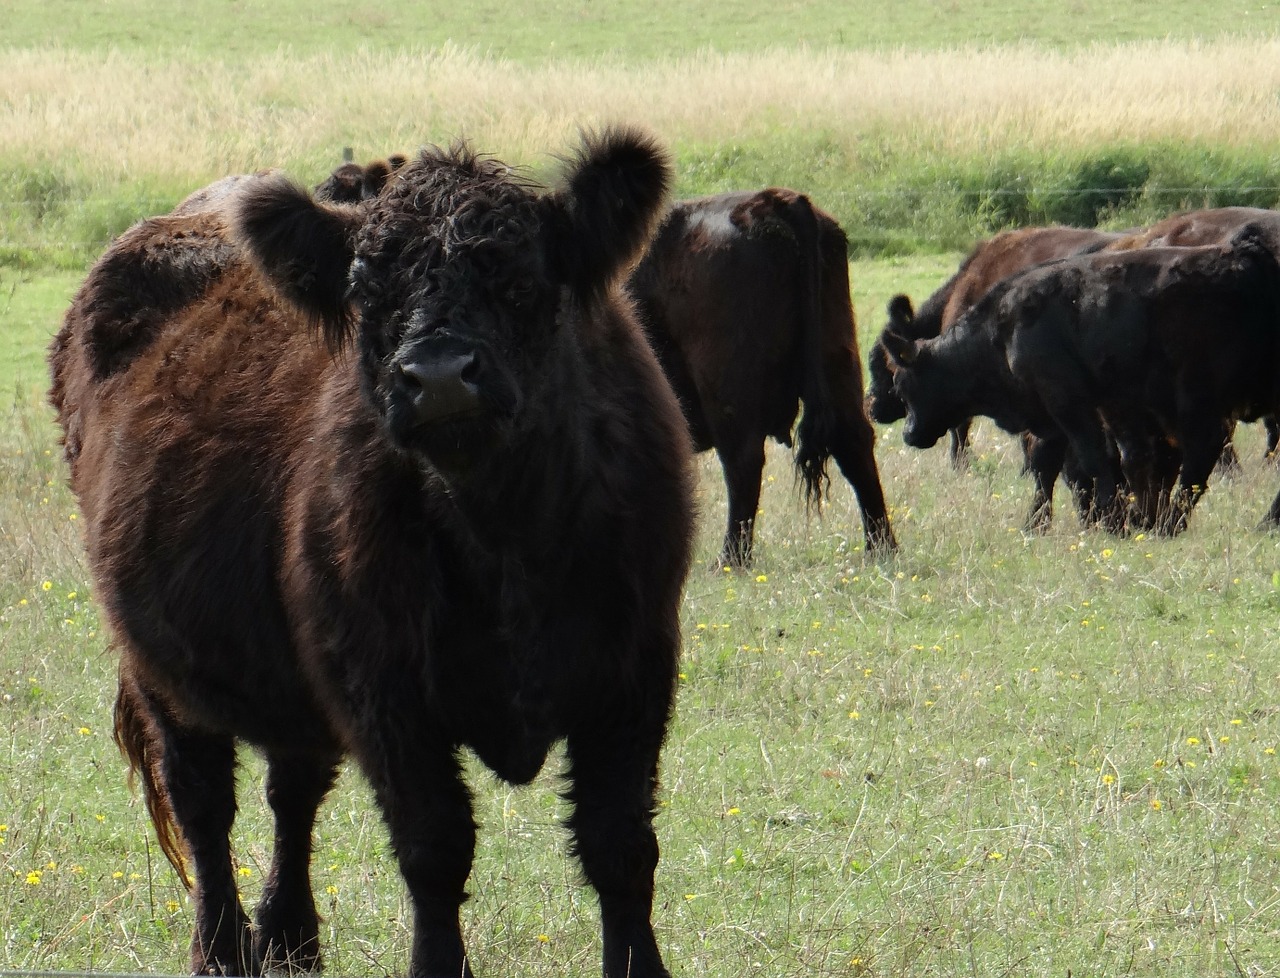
column 989, row 755
column 912, row 150
column 633, row 30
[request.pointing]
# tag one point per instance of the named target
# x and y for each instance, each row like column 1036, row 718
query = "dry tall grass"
column 122, row 116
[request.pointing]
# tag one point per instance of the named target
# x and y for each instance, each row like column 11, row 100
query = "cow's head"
column 460, row 283
column 352, row 183
column 930, row 393
column 883, row 405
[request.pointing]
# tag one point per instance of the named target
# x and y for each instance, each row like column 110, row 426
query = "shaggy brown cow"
column 745, row 298
column 1187, row 337
column 464, row 521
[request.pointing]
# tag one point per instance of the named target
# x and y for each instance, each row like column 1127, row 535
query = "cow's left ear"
column 605, row 210
column 304, row 248
column 901, row 350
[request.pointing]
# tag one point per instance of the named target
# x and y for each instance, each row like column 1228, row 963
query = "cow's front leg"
column 427, row 808
column 613, row 777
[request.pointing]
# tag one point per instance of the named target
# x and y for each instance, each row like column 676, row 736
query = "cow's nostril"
column 470, row 372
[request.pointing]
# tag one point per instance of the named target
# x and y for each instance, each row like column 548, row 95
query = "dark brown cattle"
column 1186, row 339
column 462, row 522
column 988, row 263
column 1213, row 225
column 745, row 298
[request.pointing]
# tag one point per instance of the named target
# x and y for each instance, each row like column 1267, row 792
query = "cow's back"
column 719, row 293
column 1010, row 252
column 182, row 386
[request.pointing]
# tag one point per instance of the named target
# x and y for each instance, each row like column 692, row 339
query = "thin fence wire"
column 940, row 190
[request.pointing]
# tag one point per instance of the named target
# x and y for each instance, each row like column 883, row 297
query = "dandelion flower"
column 245, row 871
column 1193, row 741
column 544, row 939
column 46, row 585
column 33, row 878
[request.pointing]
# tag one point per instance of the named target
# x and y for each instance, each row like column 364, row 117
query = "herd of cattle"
column 464, row 517
column 1123, row 359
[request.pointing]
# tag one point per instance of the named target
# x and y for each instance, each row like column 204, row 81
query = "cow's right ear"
column 901, row 350
column 304, row 249
column 605, row 210
column 901, row 312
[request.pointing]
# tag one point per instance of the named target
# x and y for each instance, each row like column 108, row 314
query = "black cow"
column 1185, row 338
column 745, row 298
column 989, row 262
column 462, row 521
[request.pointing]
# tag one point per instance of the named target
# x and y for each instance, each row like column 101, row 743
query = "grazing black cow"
column 745, row 298
column 984, row 266
column 1187, row 337
column 988, row 263
column 463, row 521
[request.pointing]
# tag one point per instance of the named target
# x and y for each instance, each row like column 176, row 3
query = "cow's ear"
column 901, row 350
column 605, row 210
column 304, row 249
column 901, row 312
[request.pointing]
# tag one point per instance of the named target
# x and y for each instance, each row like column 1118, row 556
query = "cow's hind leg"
column 853, row 442
column 287, row 932
column 190, row 778
column 613, row 779
column 1043, row 460
column 1202, row 436
column 743, row 463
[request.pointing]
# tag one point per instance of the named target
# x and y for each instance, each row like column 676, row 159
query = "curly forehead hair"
column 454, row 198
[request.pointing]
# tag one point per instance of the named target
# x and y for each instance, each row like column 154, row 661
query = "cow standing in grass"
column 462, row 520
column 987, row 264
column 1184, row 338
column 745, row 297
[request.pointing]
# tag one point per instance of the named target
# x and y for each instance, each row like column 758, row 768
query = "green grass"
column 990, row 755
column 543, row 29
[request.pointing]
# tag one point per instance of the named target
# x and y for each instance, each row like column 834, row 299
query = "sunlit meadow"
column 991, row 754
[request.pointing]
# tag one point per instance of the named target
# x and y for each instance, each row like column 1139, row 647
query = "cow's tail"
column 824, row 255
column 136, row 736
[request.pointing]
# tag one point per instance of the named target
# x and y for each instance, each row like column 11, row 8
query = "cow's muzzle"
column 442, row 387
